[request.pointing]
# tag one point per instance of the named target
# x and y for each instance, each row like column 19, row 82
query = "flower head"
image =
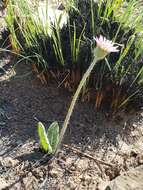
column 104, row 47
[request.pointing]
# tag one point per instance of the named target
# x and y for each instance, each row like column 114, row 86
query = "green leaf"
column 53, row 135
column 44, row 142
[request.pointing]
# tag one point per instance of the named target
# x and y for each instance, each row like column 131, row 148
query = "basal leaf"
column 53, row 135
column 44, row 142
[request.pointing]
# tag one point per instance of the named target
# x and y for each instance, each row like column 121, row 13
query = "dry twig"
column 88, row 156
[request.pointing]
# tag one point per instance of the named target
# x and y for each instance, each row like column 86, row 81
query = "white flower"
column 104, row 47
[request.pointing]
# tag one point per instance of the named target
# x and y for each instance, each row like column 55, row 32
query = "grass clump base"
column 62, row 48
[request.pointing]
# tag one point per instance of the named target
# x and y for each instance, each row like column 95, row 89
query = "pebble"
column 54, row 173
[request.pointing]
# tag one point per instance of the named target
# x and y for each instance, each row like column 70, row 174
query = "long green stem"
column 75, row 97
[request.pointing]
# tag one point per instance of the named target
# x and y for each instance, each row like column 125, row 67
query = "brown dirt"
column 24, row 100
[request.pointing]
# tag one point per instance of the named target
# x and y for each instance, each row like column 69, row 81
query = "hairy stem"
column 75, row 97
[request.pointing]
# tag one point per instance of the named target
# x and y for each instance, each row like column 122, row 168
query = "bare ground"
column 96, row 148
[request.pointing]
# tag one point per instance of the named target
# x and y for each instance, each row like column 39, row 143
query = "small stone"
column 29, row 174
column 54, row 173
column 134, row 125
column 89, row 147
